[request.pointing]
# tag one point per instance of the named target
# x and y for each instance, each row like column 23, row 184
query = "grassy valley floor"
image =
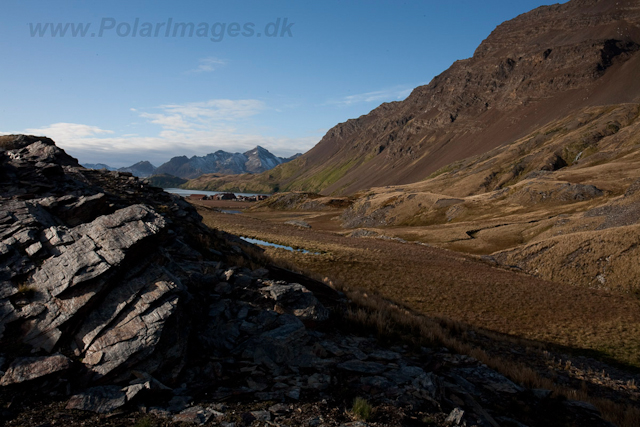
column 447, row 284
column 580, row 343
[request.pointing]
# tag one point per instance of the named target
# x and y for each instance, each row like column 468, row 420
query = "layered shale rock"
column 113, row 295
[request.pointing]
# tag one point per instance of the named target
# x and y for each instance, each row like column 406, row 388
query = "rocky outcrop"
column 89, row 266
column 558, row 192
column 113, row 295
column 298, row 223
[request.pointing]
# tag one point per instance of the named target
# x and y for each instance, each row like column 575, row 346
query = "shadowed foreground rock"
column 115, row 297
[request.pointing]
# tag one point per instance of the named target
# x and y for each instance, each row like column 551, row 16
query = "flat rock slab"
column 196, row 415
column 29, row 368
column 98, row 399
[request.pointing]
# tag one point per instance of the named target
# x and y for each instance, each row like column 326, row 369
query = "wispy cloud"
column 392, row 94
column 209, row 64
column 203, row 115
column 173, row 121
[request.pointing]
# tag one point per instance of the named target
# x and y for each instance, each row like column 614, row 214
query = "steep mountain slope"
column 253, row 161
column 166, row 181
column 260, row 160
column 561, row 203
column 541, row 66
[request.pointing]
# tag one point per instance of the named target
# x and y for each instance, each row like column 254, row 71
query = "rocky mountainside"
column 253, row 161
column 141, row 169
column 539, row 67
column 166, row 181
column 559, row 203
column 115, row 297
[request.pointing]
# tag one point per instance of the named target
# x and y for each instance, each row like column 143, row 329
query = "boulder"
column 455, row 417
column 295, row 299
column 29, row 368
column 102, row 399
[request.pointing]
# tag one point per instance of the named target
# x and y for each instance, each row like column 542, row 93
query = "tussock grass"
column 144, row 422
column 361, row 409
column 511, row 304
column 26, row 290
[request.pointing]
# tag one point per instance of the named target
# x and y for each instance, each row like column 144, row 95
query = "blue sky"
column 116, row 98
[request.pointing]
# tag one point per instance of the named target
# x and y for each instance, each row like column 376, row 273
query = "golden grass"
column 450, row 285
column 361, row 409
column 599, row 259
column 392, row 323
column 502, row 301
column 442, row 295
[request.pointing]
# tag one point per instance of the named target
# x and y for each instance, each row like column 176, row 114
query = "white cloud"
column 392, row 94
column 68, row 131
column 209, row 64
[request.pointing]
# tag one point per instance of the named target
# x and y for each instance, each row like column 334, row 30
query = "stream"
column 275, row 245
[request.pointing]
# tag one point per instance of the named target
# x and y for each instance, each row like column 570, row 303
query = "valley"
column 119, row 306
column 448, row 284
column 464, row 255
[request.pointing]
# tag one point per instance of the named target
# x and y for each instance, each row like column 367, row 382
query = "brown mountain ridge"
column 526, row 154
column 536, row 68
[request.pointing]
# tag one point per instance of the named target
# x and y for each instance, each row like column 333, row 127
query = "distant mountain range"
column 221, row 162
column 256, row 160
